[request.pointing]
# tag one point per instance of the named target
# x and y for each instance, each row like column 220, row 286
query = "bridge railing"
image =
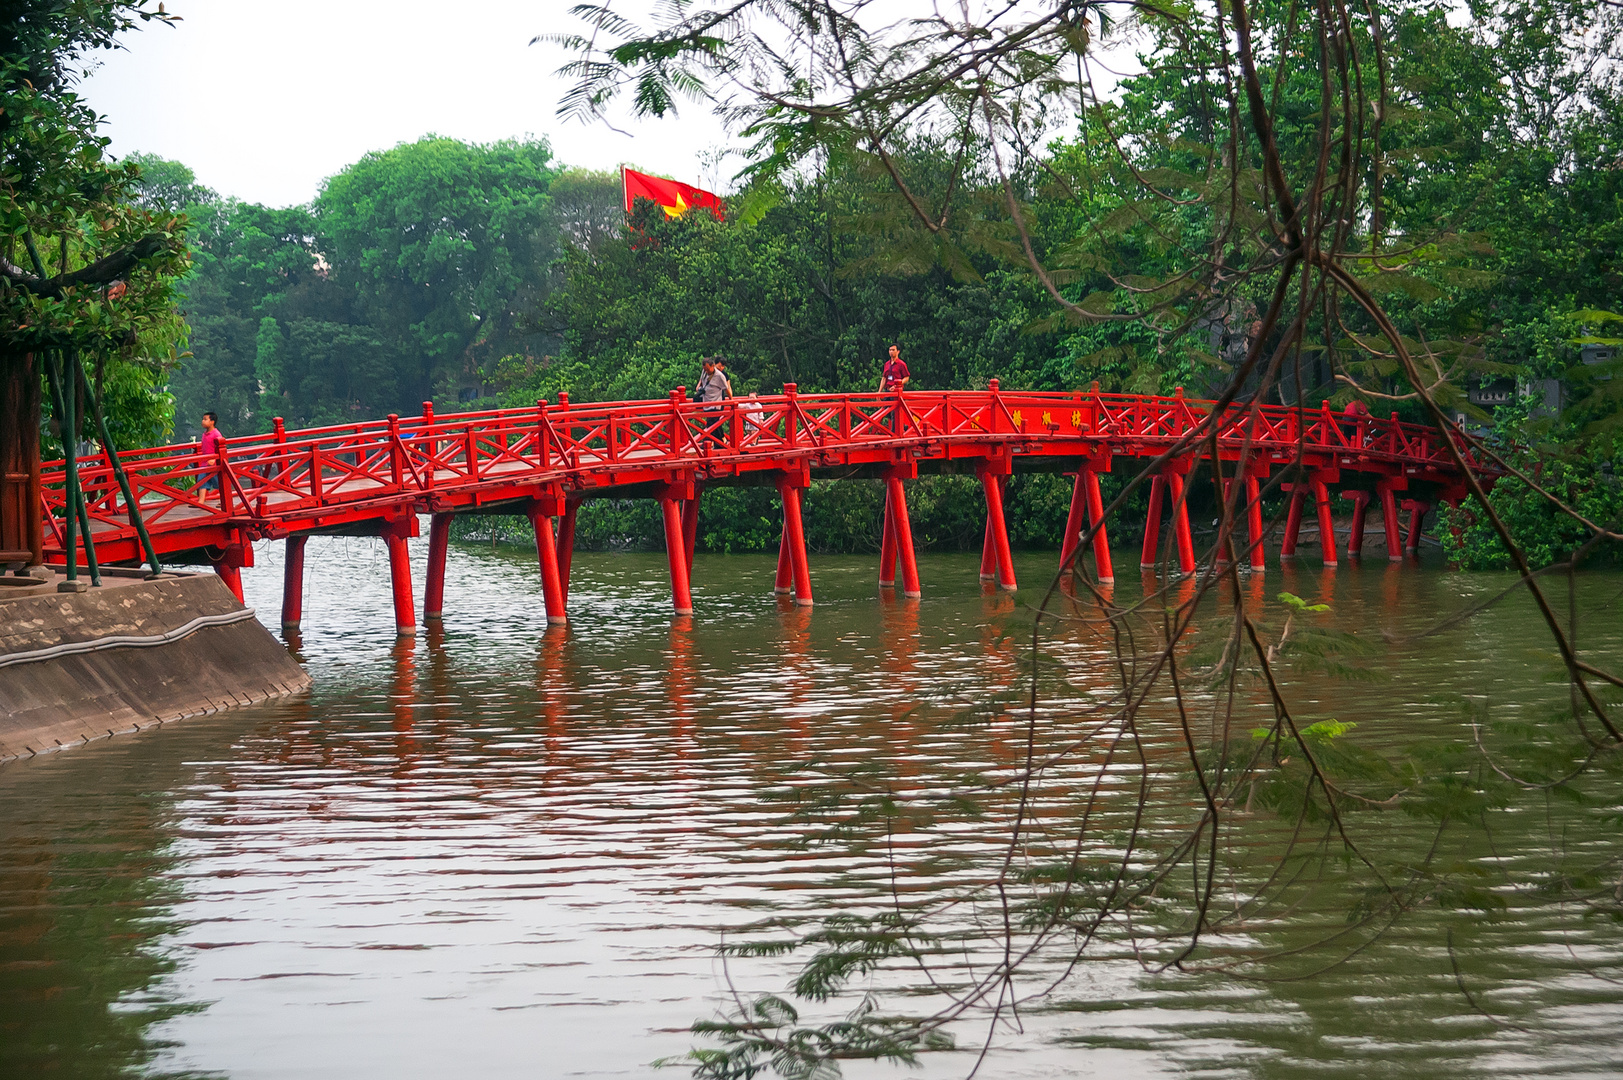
column 292, row 474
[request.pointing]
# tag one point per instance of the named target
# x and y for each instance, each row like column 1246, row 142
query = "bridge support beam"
column 784, row 583
column 988, row 553
column 997, row 529
column 1417, row 518
column 690, row 526
column 887, row 549
column 1293, row 521
column 1327, row 522
column 1180, row 523
column 1387, row 491
column 439, row 542
column 1355, row 538
column 293, row 583
column 1152, row 524
column 1096, row 517
column 546, row 550
column 1073, row 526
column 681, row 594
column 566, row 544
column 897, row 505
column 233, row 557
column 1253, row 523
column 395, row 534
column 794, row 536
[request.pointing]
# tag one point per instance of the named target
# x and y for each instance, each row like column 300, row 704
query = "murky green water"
column 503, row 852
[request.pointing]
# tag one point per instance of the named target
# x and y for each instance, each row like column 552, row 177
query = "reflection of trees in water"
column 85, row 901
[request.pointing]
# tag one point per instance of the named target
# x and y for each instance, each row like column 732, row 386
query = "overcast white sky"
column 264, row 100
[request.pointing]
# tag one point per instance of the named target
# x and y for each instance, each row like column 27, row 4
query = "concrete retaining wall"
column 81, row 666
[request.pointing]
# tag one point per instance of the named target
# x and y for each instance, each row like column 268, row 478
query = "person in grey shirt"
column 713, row 384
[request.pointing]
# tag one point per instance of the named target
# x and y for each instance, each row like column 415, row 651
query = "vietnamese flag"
column 672, row 196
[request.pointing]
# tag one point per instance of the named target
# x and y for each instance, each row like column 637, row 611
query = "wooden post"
column 405, row 616
column 690, row 526
column 794, row 538
column 1152, row 524
column 1389, row 520
column 1180, row 523
column 681, row 594
column 904, row 537
column 991, row 485
column 1355, row 539
column 1293, row 522
column 1253, row 521
column 439, row 542
column 785, row 581
column 1327, row 522
column 988, row 552
column 546, row 549
column 1073, row 524
column 566, row 544
column 293, row 583
column 887, row 547
column 1096, row 517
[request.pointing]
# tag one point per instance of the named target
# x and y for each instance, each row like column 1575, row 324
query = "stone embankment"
column 75, row 667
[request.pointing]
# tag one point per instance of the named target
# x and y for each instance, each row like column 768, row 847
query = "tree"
column 446, row 246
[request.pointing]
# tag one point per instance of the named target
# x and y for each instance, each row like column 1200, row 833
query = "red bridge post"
column 540, row 513
column 566, row 544
column 1253, row 521
column 690, row 525
column 439, row 541
column 1355, row 538
column 1327, row 522
column 785, row 581
column 991, row 474
column 1180, row 520
column 395, row 534
column 1387, row 490
column 293, row 583
column 1096, row 517
column 1152, row 524
column 903, row 528
column 1293, row 521
column 790, row 486
column 675, row 556
column 1417, row 518
column 887, row 549
column 1073, row 525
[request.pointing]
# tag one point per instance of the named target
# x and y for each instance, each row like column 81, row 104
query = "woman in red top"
column 895, row 374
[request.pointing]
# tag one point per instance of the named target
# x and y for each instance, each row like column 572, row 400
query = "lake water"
column 498, row 851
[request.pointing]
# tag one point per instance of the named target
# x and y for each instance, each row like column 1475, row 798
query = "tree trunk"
column 21, row 541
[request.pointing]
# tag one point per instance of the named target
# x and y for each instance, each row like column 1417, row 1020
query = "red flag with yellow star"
column 672, row 196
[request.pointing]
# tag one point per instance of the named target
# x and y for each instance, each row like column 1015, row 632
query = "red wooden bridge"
column 375, row 478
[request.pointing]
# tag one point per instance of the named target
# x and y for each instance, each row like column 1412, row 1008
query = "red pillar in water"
column 794, row 539
column 887, row 549
column 1152, row 524
column 1253, row 521
column 681, row 594
column 566, row 545
column 1327, row 522
column 546, row 549
column 395, row 535
column 439, row 542
column 1293, row 522
column 1180, row 524
column 1073, row 524
column 904, row 537
column 988, row 552
column 1417, row 518
column 1389, row 519
column 1355, row 538
column 690, row 526
column 1096, row 517
column 293, row 583
column 990, row 483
